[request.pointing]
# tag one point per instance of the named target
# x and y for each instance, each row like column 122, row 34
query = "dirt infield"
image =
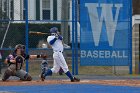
column 48, row 82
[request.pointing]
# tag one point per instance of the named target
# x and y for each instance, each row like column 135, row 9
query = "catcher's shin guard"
column 29, row 78
column 42, row 77
column 48, row 73
column 6, row 75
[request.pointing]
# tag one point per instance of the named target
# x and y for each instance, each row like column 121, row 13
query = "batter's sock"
column 48, row 73
column 69, row 75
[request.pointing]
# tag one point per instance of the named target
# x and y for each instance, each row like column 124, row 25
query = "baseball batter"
column 55, row 40
column 16, row 61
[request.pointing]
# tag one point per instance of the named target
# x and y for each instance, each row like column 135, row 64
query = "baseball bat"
column 37, row 33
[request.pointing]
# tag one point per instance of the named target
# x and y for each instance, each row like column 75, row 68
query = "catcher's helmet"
column 54, row 30
column 19, row 46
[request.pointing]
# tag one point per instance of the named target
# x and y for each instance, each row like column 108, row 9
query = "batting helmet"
column 54, row 30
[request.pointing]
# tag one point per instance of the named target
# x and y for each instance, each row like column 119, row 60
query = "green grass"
column 34, row 69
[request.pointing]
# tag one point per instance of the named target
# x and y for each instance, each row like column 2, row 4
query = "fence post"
column 130, row 59
column 26, row 34
column 139, row 48
column 0, row 62
column 64, row 23
column 76, row 41
column 73, row 39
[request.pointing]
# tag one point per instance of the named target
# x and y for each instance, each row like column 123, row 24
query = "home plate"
column 24, row 82
column 85, row 81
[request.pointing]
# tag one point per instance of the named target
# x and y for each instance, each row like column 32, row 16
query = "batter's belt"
column 58, row 51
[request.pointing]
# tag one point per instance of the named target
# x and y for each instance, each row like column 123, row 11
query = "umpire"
column 16, row 61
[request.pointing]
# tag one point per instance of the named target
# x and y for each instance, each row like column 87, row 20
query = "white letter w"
column 107, row 16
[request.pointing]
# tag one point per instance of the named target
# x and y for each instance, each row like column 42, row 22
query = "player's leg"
column 61, row 71
column 55, row 69
column 7, row 74
column 49, row 72
column 23, row 75
column 64, row 66
column 56, row 65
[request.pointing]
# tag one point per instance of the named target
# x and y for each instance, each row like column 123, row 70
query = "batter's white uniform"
column 59, row 60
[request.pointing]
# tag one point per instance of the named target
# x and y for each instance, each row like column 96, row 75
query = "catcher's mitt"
column 43, row 56
column 19, row 62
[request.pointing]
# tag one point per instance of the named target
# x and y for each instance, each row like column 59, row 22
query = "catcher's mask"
column 21, row 47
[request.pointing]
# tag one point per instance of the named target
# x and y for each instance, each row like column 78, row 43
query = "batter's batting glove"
column 60, row 37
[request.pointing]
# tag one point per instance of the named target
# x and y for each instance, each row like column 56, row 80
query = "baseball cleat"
column 42, row 77
column 75, row 79
column 3, row 79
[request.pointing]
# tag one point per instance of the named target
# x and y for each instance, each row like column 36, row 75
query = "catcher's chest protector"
column 19, row 62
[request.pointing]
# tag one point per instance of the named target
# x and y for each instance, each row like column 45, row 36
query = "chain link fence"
column 42, row 15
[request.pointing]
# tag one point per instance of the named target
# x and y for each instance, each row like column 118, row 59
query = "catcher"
column 16, row 61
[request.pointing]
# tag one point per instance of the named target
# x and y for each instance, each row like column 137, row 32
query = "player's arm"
column 52, row 41
column 9, row 60
column 48, row 45
column 60, row 37
column 35, row 56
